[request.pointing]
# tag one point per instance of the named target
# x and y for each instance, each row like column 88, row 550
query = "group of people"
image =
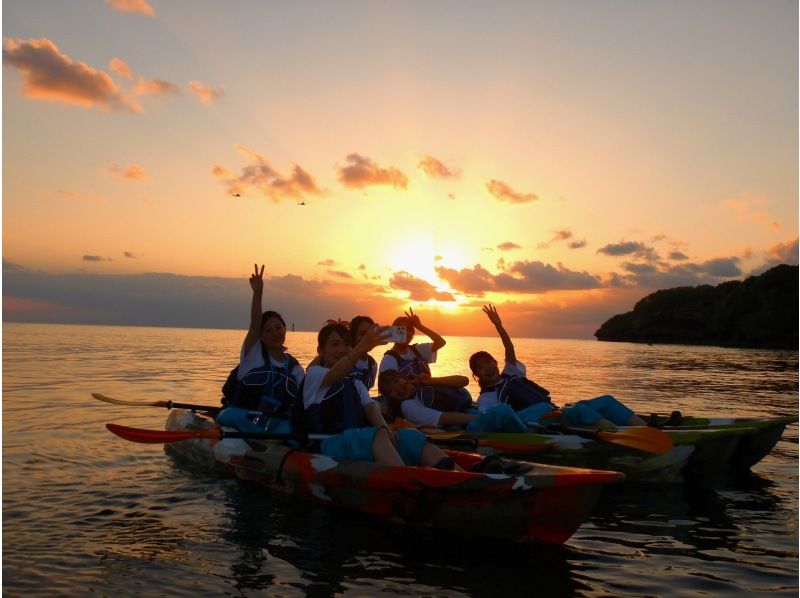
column 270, row 391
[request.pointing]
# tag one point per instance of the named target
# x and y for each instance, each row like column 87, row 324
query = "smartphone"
column 397, row 334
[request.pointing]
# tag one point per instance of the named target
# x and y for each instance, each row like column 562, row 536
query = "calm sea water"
column 86, row 512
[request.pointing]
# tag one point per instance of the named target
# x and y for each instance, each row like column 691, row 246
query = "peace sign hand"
column 257, row 279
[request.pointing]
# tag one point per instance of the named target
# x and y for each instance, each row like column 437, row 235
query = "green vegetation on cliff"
column 761, row 312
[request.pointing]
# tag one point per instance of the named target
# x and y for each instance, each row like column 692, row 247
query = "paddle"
column 164, row 436
column 167, row 404
column 648, row 440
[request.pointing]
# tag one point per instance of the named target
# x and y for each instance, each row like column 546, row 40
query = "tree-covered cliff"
column 761, row 311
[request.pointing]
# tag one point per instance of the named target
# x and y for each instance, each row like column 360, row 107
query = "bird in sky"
column 237, row 194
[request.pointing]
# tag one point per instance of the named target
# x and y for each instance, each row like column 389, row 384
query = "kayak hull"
column 696, row 454
column 544, row 504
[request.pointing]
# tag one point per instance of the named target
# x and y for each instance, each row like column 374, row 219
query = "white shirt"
column 488, row 398
column 363, row 364
column 418, row 414
column 425, row 349
column 255, row 359
column 314, row 392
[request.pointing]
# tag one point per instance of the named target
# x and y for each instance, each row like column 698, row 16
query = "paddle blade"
column 114, row 401
column 158, row 436
column 649, row 440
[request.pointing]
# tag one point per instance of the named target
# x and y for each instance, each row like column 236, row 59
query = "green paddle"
column 164, row 436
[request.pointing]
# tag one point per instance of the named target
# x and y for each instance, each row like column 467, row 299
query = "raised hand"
column 491, row 313
column 257, row 279
column 415, row 321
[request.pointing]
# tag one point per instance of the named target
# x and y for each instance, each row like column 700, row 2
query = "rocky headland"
column 759, row 312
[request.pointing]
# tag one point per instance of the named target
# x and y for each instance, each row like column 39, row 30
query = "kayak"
column 761, row 437
column 540, row 503
column 695, row 455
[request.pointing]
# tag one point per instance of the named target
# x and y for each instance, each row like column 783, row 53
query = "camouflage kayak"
column 541, row 503
column 703, row 454
column 761, row 437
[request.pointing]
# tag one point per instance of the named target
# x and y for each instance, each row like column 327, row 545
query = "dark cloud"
column 634, row 248
column 559, row 235
column 503, row 192
column 508, row 246
column 418, row 289
column 260, row 175
column 649, row 276
column 160, row 299
column 436, row 169
column 327, row 262
column 518, row 277
column 577, row 244
column 48, row 74
column 362, row 172
column 130, row 255
column 96, row 258
column 677, row 256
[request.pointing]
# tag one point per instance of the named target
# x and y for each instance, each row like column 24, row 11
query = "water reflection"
column 333, row 551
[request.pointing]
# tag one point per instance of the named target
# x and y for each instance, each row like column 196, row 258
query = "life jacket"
column 267, row 388
column 519, row 393
column 340, row 410
column 435, row 396
column 365, row 375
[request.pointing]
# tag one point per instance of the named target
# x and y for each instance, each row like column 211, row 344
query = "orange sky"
column 559, row 159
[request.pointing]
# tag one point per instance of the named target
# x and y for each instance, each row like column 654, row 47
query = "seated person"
column 259, row 391
column 404, row 398
column 411, row 360
column 531, row 401
column 366, row 368
column 335, row 403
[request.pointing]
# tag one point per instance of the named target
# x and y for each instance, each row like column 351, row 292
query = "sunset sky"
column 560, row 159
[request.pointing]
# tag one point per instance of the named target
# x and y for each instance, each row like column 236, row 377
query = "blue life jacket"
column 519, row 393
column 366, row 376
column 267, row 388
column 339, row 411
column 435, row 396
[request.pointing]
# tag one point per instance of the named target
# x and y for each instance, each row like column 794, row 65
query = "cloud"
column 362, row 172
column 651, row 276
column 206, row 93
column 435, row 169
column 634, row 248
column 96, row 258
column 747, row 209
column 12, row 267
column 503, row 192
column 339, row 274
column 562, row 235
column 161, row 299
column 508, row 246
column 156, row 87
column 141, row 7
column 260, row 175
column 362, row 267
column 132, row 172
column 120, row 67
column 130, row 255
column 78, row 195
column 677, row 256
column 418, row 289
column 518, row 277
column 48, row 74
column 328, row 262
column 785, row 253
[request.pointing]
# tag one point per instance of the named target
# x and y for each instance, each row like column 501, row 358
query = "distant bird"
column 237, row 194
column 302, row 203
